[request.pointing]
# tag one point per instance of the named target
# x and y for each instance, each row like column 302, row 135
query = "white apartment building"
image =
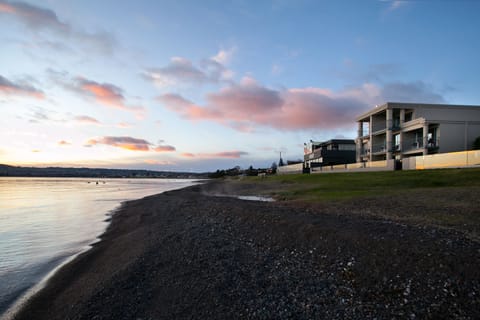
column 398, row 130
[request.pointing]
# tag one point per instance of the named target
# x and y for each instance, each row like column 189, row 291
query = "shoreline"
column 185, row 254
column 24, row 298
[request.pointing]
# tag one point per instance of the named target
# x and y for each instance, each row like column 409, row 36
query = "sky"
column 205, row 85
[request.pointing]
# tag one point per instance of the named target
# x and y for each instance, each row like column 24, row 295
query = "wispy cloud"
column 225, row 154
column 36, row 18
column 248, row 104
column 129, row 143
column 86, row 120
column 235, row 154
column 124, row 125
column 397, row 4
column 11, row 88
column 160, row 162
column 182, row 71
column 411, row 92
column 224, row 55
column 394, row 4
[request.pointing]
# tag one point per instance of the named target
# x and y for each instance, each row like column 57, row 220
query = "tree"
column 251, row 172
column 274, row 167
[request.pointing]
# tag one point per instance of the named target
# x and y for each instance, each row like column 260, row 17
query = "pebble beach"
column 192, row 254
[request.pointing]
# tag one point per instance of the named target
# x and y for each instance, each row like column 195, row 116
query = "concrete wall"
column 384, row 165
column 290, row 169
column 443, row 160
column 447, row 113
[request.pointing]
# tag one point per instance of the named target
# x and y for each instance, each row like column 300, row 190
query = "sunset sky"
column 206, row 85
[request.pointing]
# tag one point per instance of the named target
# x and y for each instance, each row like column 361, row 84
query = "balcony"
column 415, row 144
column 379, row 147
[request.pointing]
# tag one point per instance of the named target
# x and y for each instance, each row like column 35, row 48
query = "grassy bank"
column 447, row 198
column 335, row 186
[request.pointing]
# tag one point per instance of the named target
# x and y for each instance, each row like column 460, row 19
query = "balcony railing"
column 412, row 144
column 379, row 147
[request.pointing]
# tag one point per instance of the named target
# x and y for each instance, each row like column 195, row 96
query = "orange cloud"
column 63, row 143
column 8, row 87
column 129, row 143
column 106, row 94
column 188, row 155
column 164, row 149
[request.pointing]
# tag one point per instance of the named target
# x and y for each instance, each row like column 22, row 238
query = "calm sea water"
column 46, row 221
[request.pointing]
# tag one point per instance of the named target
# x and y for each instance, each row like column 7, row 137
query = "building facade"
column 331, row 152
column 400, row 130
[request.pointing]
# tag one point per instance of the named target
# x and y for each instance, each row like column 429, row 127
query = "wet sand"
column 186, row 254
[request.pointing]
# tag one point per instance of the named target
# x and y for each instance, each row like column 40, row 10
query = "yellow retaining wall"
column 359, row 166
column 448, row 160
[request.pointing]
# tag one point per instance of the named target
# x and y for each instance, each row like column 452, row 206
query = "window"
column 408, row 116
column 397, row 142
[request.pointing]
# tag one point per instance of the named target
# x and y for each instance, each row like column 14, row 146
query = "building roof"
column 332, row 141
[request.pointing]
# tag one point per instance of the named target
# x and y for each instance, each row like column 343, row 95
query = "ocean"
column 45, row 222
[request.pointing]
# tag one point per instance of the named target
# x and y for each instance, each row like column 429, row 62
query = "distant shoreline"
column 61, row 172
column 186, row 254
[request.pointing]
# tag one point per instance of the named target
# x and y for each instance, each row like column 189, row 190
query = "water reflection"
column 45, row 220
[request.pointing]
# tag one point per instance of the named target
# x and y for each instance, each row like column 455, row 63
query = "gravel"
column 187, row 255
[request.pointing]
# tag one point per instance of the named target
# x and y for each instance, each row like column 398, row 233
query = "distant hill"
column 13, row 171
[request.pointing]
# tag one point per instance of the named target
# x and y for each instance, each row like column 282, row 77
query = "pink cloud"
column 247, row 105
column 8, row 87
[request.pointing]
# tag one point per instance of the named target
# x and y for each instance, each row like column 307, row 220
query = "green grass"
column 336, row 186
column 446, row 198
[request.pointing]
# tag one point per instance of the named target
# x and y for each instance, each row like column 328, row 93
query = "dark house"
column 328, row 153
